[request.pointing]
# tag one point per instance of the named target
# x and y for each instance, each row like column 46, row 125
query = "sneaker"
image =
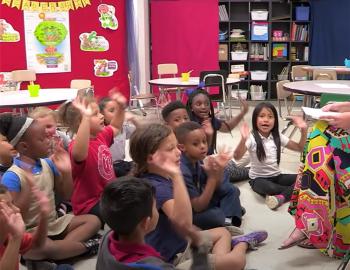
column 234, row 231
column 40, row 265
column 252, row 239
column 273, row 202
column 92, row 246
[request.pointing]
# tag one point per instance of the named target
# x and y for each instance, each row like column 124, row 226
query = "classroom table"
column 192, row 82
column 49, row 96
column 316, row 88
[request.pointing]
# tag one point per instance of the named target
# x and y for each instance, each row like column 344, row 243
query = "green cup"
column 33, row 90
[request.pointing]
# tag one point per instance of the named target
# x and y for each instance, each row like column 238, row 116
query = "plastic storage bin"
column 243, row 94
column 258, row 95
column 258, row 75
column 302, row 13
column 239, row 56
column 259, row 15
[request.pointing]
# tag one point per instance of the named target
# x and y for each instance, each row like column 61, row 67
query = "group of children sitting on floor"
column 175, row 203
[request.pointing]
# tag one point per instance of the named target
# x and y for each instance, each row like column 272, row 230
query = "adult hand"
column 341, row 120
column 337, row 107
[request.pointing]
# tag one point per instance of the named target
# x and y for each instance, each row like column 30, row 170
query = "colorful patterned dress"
column 320, row 201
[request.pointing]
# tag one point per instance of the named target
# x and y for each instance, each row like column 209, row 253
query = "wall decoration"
column 105, row 68
column 43, row 6
column 107, row 16
column 92, row 42
column 47, row 41
column 7, row 33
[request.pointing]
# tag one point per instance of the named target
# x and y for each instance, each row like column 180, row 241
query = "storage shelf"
column 281, row 16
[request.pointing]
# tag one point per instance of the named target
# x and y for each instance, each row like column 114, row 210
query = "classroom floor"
column 278, row 223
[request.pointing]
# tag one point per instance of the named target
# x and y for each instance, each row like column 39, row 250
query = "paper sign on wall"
column 107, row 16
column 47, row 41
column 92, row 42
column 7, row 33
column 105, row 68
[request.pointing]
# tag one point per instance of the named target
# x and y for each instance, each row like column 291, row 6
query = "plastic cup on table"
column 185, row 76
column 33, row 90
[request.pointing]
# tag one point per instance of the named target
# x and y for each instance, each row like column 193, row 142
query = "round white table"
column 177, row 82
column 316, row 88
column 50, row 96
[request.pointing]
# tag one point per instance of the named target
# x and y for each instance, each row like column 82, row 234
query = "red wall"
column 185, row 32
column 12, row 55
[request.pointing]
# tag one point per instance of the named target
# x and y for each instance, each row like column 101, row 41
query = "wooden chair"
column 166, row 71
column 80, row 83
column 299, row 74
column 324, row 74
column 135, row 96
column 20, row 76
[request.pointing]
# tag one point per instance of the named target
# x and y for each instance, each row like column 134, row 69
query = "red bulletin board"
column 12, row 55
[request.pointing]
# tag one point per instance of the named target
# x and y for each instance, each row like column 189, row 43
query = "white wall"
column 142, row 15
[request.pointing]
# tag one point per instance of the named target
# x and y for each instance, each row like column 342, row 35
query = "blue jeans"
column 224, row 203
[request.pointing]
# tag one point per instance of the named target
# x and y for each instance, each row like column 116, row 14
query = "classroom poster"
column 47, row 41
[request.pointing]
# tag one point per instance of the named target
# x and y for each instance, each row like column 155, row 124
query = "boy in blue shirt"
column 214, row 200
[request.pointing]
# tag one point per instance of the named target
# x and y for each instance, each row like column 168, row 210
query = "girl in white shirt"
column 264, row 144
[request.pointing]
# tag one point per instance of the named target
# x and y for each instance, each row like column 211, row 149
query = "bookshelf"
column 273, row 43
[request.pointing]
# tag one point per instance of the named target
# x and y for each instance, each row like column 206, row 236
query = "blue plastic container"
column 302, row 13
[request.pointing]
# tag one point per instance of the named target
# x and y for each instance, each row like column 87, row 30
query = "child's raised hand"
column 224, row 155
column 118, row 97
column 82, row 105
column 299, row 122
column 60, row 158
column 245, row 131
column 245, row 106
column 12, row 220
column 165, row 164
column 207, row 127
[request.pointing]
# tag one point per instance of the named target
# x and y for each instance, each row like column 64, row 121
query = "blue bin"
column 302, row 13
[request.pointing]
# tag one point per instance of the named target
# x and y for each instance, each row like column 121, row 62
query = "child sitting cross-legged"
column 157, row 159
column 215, row 201
column 68, row 235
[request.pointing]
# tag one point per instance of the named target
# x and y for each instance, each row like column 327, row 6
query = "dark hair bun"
column 5, row 123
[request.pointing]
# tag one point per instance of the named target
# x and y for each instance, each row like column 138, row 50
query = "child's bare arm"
column 178, row 209
column 119, row 113
column 241, row 148
column 63, row 181
column 81, row 143
column 15, row 226
column 301, row 124
column 233, row 122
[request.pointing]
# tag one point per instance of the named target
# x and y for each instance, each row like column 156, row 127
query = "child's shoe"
column 273, row 202
column 234, row 231
column 252, row 239
column 92, row 245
